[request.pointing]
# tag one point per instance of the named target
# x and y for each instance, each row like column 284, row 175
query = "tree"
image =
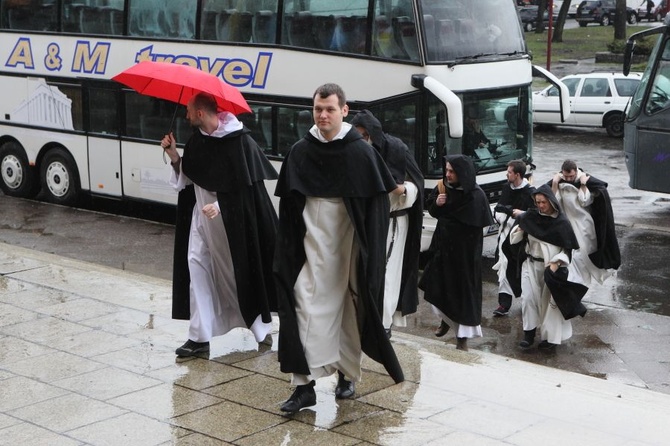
column 620, row 20
column 557, row 35
column 541, row 7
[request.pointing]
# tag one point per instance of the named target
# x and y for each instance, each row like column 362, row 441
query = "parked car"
column 602, row 12
column 658, row 11
column 572, row 10
column 596, row 100
column 528, row 17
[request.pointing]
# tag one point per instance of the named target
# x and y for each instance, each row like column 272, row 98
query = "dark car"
column 528, row 17
column 602, row 12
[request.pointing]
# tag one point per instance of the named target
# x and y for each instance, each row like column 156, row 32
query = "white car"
column 596, row 100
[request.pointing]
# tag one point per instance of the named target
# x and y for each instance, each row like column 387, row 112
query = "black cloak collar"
column 236, row 153
column 339, row 168
column 554, row 230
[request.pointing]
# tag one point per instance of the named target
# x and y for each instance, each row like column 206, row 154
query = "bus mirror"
column 448, row 98
column 628, row 56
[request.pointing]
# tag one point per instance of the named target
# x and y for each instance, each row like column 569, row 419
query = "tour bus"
column 67, row 129
column 647, row 120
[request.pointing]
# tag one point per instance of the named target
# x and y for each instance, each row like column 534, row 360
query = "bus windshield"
column 462, row 29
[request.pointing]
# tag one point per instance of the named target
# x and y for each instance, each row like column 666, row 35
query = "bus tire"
column 60, row 179
column 19, row 179
column 614, row 125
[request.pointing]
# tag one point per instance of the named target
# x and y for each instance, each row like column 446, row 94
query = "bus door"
column 104, row 143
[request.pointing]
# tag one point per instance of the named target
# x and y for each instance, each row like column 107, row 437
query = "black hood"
column 465, row 170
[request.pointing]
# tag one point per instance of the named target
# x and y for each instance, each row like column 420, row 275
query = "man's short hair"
column 205, row 101
column 568, row 166
column 518, row 166
column 330, row 89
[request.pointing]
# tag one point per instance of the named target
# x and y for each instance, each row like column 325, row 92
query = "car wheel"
column 605, row 21
column 614, row 125
column 659, row 18
column 632, row 18
column 60, row 177
column 528, row 26
column 583, row 24
column 18, row 178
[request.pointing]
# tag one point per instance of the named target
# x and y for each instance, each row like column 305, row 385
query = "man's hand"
column 210, row 210
column 441, row 199
column 169, row 144
column 584, row 179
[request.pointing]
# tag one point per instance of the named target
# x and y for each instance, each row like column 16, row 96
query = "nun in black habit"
column 403, row 242
column 452, row 278
column 549, row 240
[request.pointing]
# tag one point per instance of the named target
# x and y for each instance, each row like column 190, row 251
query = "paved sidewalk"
column 87, row 357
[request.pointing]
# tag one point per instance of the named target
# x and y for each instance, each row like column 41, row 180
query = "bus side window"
column 324, row 28
column 349, row 34
column 300, row 26
column 233, row 26
column 407, row 30
column 265, row 27
column 264, row 139
column 303, row 122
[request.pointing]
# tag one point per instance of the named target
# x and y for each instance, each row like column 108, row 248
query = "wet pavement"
column 86, row 358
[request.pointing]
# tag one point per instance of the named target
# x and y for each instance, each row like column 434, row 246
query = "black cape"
column 452, row 278
column 403, row 166
column 607, row 254
column 510, row 199
column 567, row 295
column 234, row 167
column 351, row 169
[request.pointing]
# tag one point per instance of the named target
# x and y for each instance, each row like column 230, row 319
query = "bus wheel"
column 18, row 178
column 60, row 177
column 614, row 125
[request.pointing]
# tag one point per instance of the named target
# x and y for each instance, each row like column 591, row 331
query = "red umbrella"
column 179, row 83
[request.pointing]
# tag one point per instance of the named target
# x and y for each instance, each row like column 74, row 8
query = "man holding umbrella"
column 225, row 232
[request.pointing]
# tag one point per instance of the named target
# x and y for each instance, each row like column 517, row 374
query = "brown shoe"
column 462, row 344
column 442, row 329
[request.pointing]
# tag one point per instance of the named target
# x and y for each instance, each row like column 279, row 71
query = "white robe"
column 214, row 304
column 326, row 290
column 393, row 276
column 575, row 203
column 505, row 228
column 538, row 309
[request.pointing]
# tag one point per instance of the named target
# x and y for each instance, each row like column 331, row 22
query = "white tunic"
column 326, row 292
column 505, row 228
column 397, row 235
column 538, row 309
column 214, row 304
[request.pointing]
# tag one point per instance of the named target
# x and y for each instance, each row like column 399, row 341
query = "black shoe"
column 442, row 329
column 501, row 311
column 528, row 338
column 388, row 332
column 344, row 389
column 192, row 348
column 303, row 396
column 462, row 344
column 546, row 346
